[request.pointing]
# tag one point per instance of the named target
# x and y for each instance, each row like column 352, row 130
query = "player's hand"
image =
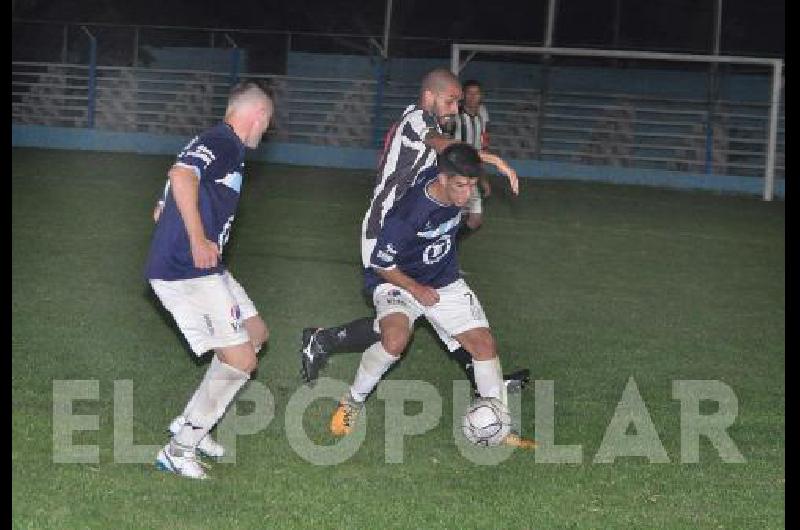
column 504, row 168
column 427, row 296
column 204, row 253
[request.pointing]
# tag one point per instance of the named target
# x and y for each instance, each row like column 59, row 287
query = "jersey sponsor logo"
column 428, row 232
column 232, row 180
column 437, row 250
column 395, row 297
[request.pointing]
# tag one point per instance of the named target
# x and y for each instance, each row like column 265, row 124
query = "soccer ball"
column 487, row 422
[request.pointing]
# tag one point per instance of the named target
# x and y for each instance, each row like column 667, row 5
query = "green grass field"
column 587, row 284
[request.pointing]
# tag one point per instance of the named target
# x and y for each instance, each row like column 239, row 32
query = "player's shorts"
column 210, row 310
column 458, row 309
column 475, row 203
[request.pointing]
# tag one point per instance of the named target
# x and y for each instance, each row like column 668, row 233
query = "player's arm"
column 185, row 185
column 438, row 141
column 504, row 168
column 424, row 294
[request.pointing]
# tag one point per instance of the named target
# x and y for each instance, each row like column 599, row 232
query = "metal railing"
column 620, row 130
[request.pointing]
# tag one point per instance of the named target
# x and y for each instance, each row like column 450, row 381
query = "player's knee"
column 394, row 342
column 242, row 357
column 257, row 331
column 261, row 338
column 482, row 346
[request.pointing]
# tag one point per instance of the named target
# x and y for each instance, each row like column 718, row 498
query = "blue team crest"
column 232, row 180
column 437, row 250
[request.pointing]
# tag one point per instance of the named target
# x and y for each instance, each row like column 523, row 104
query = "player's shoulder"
column 220, row 140
column 221, row 134
column 417, row 115
column 416, row 206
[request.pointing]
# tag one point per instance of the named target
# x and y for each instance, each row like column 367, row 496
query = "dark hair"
column 460, row 159
column 471, row 83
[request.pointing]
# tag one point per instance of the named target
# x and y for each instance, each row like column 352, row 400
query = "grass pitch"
column 587, row 284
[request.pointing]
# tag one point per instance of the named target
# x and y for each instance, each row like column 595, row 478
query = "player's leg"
column 229, row 371
column 317, row 344
column 460, row 322
column 396, row 312
column 257, row 332
column 209, row 317
column 514, row 381
column 480, row 344
column 375, row 361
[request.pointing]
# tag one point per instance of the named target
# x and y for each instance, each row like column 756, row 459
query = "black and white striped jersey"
column 470, row 128
column 405, row 156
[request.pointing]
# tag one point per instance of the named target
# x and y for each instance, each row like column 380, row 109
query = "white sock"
column 374, row 363
column 208, row 404
column 489, row 379
column 201, row 387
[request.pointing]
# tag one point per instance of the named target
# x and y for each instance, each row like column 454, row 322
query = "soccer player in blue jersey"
column 410, row 149
column 413, row 272
column 186, row 271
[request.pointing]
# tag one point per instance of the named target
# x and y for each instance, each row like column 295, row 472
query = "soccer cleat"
column 344, row 417
column 207, row 446
column 312, row 355
column 181, row 461
column 515, row 440
column 516, row 381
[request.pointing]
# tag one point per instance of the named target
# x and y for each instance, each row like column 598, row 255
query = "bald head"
column 439, row 80
column 440, row 94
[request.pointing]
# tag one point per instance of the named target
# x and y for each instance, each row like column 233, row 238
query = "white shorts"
column 475, row 202
column 210, row 310
column 458, row 309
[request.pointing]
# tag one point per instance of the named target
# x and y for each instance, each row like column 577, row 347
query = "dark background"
column 748, row 27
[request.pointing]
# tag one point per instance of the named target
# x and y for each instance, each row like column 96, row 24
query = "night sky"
column 749, row 27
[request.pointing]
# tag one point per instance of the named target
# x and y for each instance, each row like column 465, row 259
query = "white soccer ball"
column 487, row 422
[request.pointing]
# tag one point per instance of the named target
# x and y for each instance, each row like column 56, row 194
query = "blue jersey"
column 217, row 158
column 418, row 237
